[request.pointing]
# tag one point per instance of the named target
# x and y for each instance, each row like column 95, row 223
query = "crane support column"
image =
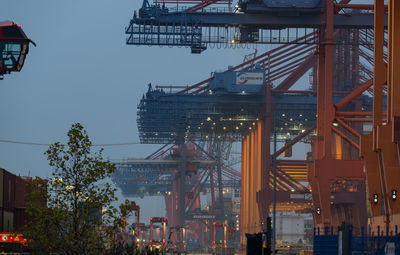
column 264, row 197
column 181, row 183
column 220, row 213
column 327, row 166
column 380, row 149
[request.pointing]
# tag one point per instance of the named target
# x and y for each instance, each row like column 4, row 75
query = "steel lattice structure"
column 339, row 38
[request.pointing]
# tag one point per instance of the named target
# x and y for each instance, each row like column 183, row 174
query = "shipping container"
column 20, row 217
column 21, row 189
column 8, row 221
column 13, row 200
column 1, row 188
column 1, row 221
column 8, row 191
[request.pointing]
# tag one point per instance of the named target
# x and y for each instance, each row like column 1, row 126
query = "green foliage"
column 75, row 215
column 126, row 208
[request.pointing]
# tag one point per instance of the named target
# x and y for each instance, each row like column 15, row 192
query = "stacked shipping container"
column 12, row 201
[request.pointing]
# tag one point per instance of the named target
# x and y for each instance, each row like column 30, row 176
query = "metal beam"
column 341, row 134
column 166, row 162
column 295, row 140
column 357, row 92
column 297, row 74
column 259, row 20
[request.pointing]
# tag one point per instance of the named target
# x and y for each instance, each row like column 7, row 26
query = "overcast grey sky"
column 82, row 71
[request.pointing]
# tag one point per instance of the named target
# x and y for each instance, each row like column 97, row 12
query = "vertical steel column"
column 259, row 213
column 338, row 147
column 383, row 162
column 395, row 54
column 252, row 190
column 164, row 232
column 257, row 177
column 220, row 213
column 274, row 191
column 212, row 181
column 355, row 76
column 391, row 154
column 329, row 113
column 325, row 116
column 242, row 198
column 379, row 80
column 138, row 222
column 266, row 164
column 246, row 192
column 182, row 190
column 320, row 99
column 174, row 207
column 225, row 234
column 244, row 205
column 151, row 232
column 379, row 65
column 389, row 60
column 264, row 159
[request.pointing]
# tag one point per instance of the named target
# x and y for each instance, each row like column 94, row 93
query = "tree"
column 75, row 215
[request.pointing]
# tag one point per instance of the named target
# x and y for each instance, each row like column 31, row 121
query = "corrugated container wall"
column 8, row 191
column 8, row 221
column 21, row 188
column 1, row 189
column 12, row 201
column 1, row 221
column 19, row 218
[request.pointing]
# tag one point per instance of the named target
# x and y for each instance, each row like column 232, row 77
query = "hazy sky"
column 82, row 71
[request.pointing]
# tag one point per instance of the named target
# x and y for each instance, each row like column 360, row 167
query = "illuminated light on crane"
column 394, row 194
column 376, row 198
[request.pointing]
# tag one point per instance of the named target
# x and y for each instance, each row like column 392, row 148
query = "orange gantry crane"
column 158, row 243
column 177, row 240
column 335, row 163
column 381, row 148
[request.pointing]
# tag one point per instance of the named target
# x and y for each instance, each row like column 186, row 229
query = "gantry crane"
column 135, row 230
column 296, row 110
column 160, row 240
column 158, row 175
column 177, row 240
column 252, row 22
column 381, row 148
column 261, row 22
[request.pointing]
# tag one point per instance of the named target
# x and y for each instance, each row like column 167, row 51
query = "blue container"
column 239, row 82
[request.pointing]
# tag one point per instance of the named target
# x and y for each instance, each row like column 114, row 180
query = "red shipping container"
column 1, row 221
column 19, row 219
column 8, row 191
column 8, row 221
column 1, row 188
column 21, row 189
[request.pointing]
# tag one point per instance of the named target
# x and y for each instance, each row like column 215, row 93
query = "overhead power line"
column 47, row 144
